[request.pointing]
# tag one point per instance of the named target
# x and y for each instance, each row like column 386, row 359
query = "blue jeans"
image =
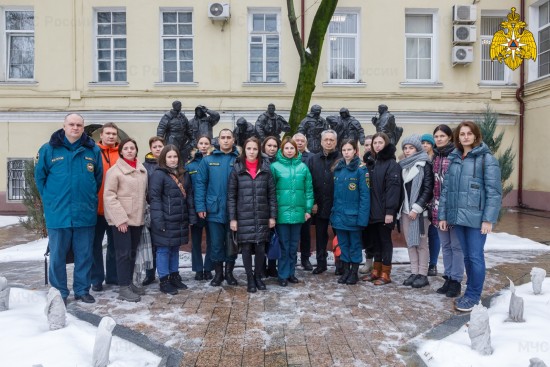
column 433, row 244
column 453, row 258
column 98, row 274
column 289, row 235
column 351, row 245
column 218, row 237
column 168, row 260
column 473, row 243
column 60, row 241
column 196, row 249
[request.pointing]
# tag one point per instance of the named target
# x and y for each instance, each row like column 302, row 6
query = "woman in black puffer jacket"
column 172, row 209
column 252, row 205
column 385, row 201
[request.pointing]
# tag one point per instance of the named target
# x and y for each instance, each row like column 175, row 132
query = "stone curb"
column 170, row 357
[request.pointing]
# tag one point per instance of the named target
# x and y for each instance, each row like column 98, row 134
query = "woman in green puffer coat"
column 294, row 202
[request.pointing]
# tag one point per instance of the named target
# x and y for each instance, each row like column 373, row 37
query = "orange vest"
column 109, row 156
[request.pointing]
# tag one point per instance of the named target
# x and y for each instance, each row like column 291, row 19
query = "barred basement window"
column 16, row 178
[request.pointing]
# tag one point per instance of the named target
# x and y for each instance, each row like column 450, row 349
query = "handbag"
column 232, row 248
column 274, row 250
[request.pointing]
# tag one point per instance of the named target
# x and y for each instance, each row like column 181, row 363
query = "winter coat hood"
column 58, row 139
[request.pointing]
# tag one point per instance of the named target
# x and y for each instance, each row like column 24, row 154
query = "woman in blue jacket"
column 350, row 211
column 202, row 269
column 470, row 201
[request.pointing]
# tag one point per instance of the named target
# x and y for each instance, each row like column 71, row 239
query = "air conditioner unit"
column 464, row 33
column 463, row 55
column 218, row 11
column 464, row 13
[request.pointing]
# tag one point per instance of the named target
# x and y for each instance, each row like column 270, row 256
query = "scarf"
column 413, row 170
column 132, row 164
column 252, row 167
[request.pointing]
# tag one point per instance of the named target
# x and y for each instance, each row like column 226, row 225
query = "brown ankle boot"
column 385, row 277
column 375, row 273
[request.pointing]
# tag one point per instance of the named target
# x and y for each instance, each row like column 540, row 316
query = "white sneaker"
column 367, row 268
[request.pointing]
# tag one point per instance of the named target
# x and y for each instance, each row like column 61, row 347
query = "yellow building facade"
column 125, row 61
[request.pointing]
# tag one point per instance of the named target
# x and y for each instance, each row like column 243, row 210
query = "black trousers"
column 125, row 249
column 368, row 243
column 382, row 243
column 259, row 257
column 305, row 240
column 321, row 234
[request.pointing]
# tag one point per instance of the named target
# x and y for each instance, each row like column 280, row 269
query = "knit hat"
column 429, row 138
column 414, row 140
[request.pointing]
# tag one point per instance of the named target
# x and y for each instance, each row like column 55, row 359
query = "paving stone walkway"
column 314, row 323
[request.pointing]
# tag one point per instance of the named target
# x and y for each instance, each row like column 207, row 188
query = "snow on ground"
column 513, row 343
column 6, row 220
column 32, row 343
column 496, row 242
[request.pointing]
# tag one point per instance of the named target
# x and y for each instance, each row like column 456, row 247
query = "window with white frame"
column 491, row 71
column 543, row 56
column 343, row 48
column 264, row 47
column 111, row 46
column 19, row 33
column 177, row 46
column 419, row 37
column 16, row 178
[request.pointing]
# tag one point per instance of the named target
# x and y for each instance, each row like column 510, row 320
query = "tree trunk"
column 309, row 58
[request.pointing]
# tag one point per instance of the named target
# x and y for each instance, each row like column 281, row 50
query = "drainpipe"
column 519, row 98
column 303, row 25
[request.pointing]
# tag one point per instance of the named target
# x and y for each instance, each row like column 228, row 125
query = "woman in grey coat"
column 470, row 201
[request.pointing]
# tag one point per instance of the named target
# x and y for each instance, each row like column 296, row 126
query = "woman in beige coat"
column 124, row 200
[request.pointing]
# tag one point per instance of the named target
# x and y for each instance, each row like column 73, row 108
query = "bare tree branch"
column 295, row 32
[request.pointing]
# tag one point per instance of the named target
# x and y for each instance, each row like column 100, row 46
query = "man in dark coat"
column 243, row 131
column 312, row 126
column 320, row 166
column 385, row 123
column 271, row 124
column 347, row 127
column 203, row 123
column 174, row 128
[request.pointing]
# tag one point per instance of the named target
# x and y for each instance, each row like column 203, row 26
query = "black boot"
column 272, row 269
column 353, row 274
column 338, row 266
column 454, row 289
column 258, row 278
column 167, row 287
column 149, row 277
column 175, row 279
column 445, row 287
column 321, row 267
column 251, row 283
column 345, row 275
column 229, row 278
column 218, row 276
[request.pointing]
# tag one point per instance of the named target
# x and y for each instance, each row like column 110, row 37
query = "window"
column 343, row 50
column 491, row 71
column 111, row 46
column 19, row 31
column 177, row 46
column 16, row 178
column 543, row 56
column 264, row 47
column 419, row 35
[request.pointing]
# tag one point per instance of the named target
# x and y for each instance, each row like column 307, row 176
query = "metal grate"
column 16, row 178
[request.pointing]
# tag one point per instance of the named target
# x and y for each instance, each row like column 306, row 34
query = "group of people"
column 447, row 183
